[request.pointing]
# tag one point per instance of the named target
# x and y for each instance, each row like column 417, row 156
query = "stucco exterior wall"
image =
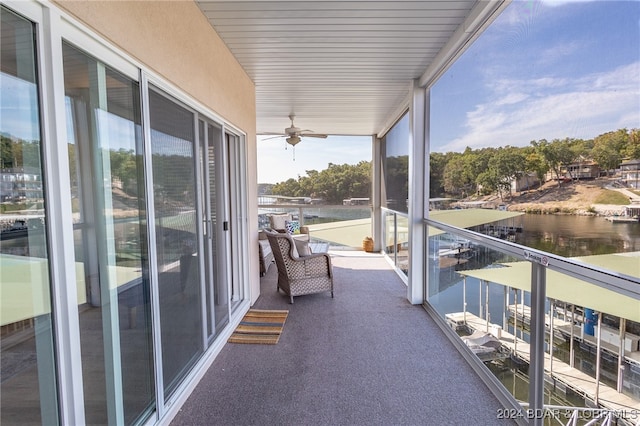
column 175, row 40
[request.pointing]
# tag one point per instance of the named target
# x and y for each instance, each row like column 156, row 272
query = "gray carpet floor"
column 366, row 357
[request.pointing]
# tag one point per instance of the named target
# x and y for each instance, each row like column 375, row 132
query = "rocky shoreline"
column 574, row 198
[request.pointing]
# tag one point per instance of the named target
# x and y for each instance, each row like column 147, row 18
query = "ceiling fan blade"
column 313, row 135
column 274, row 137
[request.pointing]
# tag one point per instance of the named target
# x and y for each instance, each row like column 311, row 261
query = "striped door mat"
column 260, row 326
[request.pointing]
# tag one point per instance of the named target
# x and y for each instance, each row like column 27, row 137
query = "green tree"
column 487, row 182
column 632, row 148
column 289, row 188
column 437, row 164
column 461, row 171
column 506, row 165
column 555, row 154
column 608, row 149
column 334, row 184
column 534, row 163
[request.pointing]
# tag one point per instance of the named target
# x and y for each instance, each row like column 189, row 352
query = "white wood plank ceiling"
column 342, row 67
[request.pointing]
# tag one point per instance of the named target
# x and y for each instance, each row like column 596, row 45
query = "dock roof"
column 572, row 290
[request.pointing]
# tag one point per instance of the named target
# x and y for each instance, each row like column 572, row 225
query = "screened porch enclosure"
column 129, row 217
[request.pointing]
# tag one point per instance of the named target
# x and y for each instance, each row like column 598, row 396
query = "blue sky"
column 277, row 165
column 542, row 70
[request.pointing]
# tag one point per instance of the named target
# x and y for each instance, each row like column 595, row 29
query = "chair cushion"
column 302, row 247
column 292, row 226
column 278, row 221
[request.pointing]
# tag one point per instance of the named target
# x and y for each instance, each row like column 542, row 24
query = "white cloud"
column 520, row 111
column 558, row 53
column 512, row 98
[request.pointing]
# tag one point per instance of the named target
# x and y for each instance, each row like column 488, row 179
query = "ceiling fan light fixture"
column 293, row 140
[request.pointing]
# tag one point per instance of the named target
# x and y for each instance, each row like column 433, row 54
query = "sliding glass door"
column 214, row 218
column 173, row 151
column 28, row 389
column 155, row 240
column 110, row 233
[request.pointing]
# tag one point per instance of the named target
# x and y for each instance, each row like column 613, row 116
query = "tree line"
column 493, row 169
column 451, row 174
column 333, row 184
column 460, row 174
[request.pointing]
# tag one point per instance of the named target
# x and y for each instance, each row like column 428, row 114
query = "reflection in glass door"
column 214, row 222
column 27, row 380
column 108, row 204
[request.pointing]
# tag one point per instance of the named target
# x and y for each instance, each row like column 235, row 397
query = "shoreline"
column 575, row 198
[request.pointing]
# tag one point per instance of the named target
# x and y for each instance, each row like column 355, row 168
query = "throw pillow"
column 292, row 226
column 294, row 250
column 302, row 247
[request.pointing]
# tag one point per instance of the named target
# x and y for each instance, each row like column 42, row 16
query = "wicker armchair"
column 299, row 275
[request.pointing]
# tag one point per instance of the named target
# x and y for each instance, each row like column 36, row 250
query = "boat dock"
column 611, row 345
column 558, row 372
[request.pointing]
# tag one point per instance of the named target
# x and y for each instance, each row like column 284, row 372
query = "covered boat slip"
column 469, row 218
column 565, row 288
column 627, row 407
column 572, row 290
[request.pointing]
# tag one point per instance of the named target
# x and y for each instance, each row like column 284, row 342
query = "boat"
column 18, row 229
column 484, row 345
column 623, row 219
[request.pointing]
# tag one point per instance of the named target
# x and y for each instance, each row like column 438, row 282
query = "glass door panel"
column 173, row 139
column 237, row 206
column 220, row 247
column 27, row 378
column 214, row 243
column 107, row 187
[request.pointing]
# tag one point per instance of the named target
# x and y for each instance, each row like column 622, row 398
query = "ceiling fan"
column 294, row 134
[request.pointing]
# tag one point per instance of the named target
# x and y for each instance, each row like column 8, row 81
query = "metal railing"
column 395, row 235
column 532, row 342
column 308, row 212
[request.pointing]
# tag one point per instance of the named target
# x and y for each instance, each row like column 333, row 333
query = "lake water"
column 571, row 236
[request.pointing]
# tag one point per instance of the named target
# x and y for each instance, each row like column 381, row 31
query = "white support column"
column 515, row 321
column 464, row 299
column 571, row 349
column 551, row 335
column 376, row 194
column 487, row 315
column 623, row 326
column 505, row 304
column 480, row 311
column 598, row 357
column 523, row 306
column 536, row 348
column 418, row 170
